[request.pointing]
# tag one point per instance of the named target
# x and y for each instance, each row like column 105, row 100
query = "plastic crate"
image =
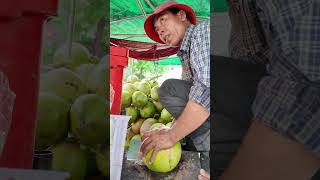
column 118, row 61
column 21, row 29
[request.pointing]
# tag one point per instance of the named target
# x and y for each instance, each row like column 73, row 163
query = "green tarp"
column 127, row 18
column 219, row 6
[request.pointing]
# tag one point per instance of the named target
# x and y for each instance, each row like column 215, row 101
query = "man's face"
column 171, row 27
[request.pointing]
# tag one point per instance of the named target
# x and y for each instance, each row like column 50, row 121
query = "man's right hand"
column 157, row 140
column 203, row 175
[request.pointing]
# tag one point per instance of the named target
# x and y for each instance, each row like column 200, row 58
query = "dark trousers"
column 234, row 88
column 174, row 95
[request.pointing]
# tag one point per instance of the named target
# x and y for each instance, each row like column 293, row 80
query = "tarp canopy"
column 127, row 18
column 145, row 50
column 219, row 6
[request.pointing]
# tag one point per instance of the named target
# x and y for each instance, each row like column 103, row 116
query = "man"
column 188, row 100
column 282, row 141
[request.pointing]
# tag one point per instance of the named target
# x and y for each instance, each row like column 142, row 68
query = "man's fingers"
column 154, row 153
column 147, row 134
column 163, row 131
column 148, row 147
column 144, row 145
column 200, row 177
column 204, row 174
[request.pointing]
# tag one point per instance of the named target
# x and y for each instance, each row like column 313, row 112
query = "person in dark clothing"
column 266, row 109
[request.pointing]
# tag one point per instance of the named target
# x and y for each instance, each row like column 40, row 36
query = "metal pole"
column 150, row 4
column 141, row 7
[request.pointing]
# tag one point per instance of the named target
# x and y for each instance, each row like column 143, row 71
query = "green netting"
column 130, row 8
column 121, row 30
column 127, row 19
column 219, row 6
column 173, row 60
column 132, row 29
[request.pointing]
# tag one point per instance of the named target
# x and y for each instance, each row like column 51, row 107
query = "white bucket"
column 118, row 126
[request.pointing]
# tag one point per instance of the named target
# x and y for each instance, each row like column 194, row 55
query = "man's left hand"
column 157, row 140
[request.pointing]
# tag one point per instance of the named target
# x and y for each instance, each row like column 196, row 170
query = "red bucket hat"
column 148, row 24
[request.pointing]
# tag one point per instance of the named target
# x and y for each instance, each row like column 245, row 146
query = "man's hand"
column 203, row 175
column 157, row 140
column 190, row 119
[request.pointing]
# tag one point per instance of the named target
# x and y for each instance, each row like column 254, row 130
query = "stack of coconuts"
column 140, row 101
column 73, row 119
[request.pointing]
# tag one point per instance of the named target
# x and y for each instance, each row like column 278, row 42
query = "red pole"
column 20, row 58
column 118, row 61
column 20, row 54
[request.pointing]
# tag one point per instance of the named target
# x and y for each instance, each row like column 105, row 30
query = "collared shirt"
column 194, row 54
column 253, row 32
column 288, row 98
column 247, row 41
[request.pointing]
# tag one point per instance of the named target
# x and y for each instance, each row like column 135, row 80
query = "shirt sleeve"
column 200, row 62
